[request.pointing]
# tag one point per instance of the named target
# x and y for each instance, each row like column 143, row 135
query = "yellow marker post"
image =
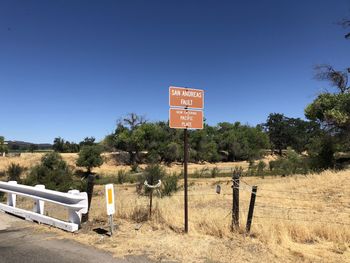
column 110, row 204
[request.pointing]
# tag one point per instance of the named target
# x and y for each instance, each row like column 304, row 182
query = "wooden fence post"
column 90, row 191
column 235, row 200
column 150, row 202
column 251, row 208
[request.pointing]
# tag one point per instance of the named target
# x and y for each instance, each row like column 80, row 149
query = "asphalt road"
column 19, row 244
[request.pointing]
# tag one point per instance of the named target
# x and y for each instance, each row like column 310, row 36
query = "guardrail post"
column 11, row 198
column 39, row 204
column 74, row 216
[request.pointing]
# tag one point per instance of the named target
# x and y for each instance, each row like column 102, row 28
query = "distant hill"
column 20, row 145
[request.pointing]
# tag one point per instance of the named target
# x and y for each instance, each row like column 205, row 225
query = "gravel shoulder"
column 19, row 242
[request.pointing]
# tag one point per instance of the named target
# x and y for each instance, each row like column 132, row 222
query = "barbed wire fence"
column 263, row 204
column 280, row 212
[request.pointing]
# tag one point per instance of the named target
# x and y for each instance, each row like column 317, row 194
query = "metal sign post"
column 185, row 178
column 181, row 117
column 111, row 224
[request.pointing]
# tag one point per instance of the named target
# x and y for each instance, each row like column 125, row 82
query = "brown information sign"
column 185, row 119
column 184, row 97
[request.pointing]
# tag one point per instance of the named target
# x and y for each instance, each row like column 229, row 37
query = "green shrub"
column 196, row 174
column 153, row 157
column 170, row 185
column 214, row 172
column 291, row 163
column 14, row 172
column 135, row 168
column 53, row 172
column 251, row 168
column 260, row 168
column 121, row 177
column 321, row 151
column 152, row 174
column 82, row 185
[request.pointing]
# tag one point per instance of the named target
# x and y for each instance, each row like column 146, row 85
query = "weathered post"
column 150, row 202
column 111, row 224
column 89, row 190
column 235, row 200
column 251, row 208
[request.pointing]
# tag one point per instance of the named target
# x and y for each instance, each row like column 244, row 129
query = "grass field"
column 296, row 219
column 110, row 167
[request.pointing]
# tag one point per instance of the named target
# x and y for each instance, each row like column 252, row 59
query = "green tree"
column 321, row 152
column 286, row 132
column 172, row 152
column 301, row 133
column 204, row 144
column 242, row 142
column 90, row 157
column 33, row 147
column 277, row 129
column 154, row 140
column 88, row 141
column 58, row 144
column 332, row 111
column 336, row 78
column 108, row 143
column 128, row 137
column 62, row 146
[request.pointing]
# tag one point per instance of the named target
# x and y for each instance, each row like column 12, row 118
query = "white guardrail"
column 74, row 201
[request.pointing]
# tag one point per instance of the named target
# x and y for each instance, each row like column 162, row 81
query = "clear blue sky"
column 72, row 68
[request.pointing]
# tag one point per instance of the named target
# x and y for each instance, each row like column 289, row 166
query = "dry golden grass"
column 296, row 219
column 110, row 167
column 313, row 204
